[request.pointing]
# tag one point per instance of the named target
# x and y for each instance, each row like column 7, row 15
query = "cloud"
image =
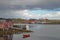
column 24, row 13
column 29, row 4
column 56, row 15
column 27, row 15
column 19, row 8
column 46, row 15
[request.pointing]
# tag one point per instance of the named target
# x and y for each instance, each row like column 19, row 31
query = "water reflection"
column 41, row 32
column 6, row 37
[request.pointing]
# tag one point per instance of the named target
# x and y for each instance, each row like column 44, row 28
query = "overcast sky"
column 30, row 9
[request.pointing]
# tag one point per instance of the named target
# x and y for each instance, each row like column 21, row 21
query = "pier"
column 16, row 28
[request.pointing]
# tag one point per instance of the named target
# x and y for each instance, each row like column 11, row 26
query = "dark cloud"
column 8, row 7
column 29, row 4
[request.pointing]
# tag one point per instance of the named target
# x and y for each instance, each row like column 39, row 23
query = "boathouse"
column 5, row 23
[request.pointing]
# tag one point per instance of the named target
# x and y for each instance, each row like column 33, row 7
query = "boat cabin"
column 21, row 26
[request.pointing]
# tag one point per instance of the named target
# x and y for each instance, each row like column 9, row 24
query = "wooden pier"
column 16, row 28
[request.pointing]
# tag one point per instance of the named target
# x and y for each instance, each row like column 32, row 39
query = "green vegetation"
column 19, row 20
column 54, row 21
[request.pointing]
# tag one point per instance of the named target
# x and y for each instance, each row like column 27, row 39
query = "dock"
column 16, row 29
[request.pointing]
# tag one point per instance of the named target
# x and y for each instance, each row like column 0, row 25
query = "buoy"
column 26, row 35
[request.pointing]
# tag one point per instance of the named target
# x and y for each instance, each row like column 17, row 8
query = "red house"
column 32, row 21
column 5, row 23
column 2, row 25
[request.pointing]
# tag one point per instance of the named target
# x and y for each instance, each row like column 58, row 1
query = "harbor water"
column 41, row 32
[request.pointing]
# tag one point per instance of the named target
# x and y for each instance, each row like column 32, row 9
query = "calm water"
column 41, row 32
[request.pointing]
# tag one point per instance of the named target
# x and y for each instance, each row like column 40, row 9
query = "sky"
column 28, row 9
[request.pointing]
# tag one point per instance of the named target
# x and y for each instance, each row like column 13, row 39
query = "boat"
column 26, row 35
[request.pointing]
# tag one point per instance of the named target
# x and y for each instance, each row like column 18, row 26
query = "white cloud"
column 23, row 12
column 58, row 13
column 52, row 16
column 26, row 14
column 47, row 15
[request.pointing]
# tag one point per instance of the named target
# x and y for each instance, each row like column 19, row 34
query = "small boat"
column 26, row 35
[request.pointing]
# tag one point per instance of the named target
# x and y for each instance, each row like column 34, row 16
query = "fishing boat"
column 26, row 35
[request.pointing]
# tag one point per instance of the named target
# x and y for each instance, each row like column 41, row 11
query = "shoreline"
column 14, row 31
